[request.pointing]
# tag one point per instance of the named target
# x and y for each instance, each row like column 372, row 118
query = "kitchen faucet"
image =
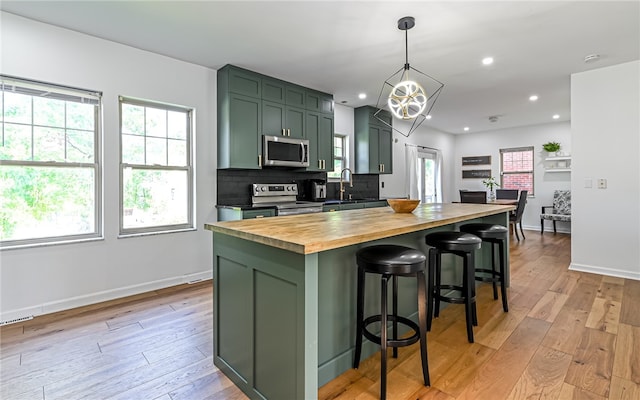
column 342, row 182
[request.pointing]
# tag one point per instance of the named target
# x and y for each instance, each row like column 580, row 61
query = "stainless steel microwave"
column 279, row 151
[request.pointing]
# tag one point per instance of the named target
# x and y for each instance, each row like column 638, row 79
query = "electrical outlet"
column 602, row 183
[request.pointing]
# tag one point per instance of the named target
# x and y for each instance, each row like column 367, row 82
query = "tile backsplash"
column 234, row 185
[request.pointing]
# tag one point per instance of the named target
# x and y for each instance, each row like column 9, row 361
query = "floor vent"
column 14, row 321
column 195, row 281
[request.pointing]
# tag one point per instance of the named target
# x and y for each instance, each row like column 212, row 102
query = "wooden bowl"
column 403, row 205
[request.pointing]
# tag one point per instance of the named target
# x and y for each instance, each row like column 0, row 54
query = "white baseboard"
column 93, row 298
column 605, row 271
column 546, row 229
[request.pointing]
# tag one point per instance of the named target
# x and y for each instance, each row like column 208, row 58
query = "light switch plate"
column 588, row 183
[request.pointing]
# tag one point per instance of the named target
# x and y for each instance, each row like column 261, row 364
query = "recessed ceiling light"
column 428, row 116
column 466, row 128
column 533, row 97
column 487, row 61
column 362, row 96
column 556, row 116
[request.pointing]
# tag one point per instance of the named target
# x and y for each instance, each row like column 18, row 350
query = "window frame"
column 524, row 171
column 189, row 168
column 34, row 89
column 344, row 158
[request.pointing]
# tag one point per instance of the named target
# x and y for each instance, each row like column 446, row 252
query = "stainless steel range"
column 283, row 197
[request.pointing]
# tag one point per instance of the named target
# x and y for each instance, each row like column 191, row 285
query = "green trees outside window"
column 49, row 166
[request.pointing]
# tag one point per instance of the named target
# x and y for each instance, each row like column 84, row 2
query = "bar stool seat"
column 496, row 235
column 464, row 245
column 390, row 262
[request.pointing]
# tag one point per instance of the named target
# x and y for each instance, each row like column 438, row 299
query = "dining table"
column 504, row 202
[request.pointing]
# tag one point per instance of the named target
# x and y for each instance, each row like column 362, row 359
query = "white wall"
column 605, row 128
column 343, row 123
column 394, row 184
column 51, row 278
column 490, row 143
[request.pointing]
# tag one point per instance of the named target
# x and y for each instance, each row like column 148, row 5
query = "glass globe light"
column 407, row 100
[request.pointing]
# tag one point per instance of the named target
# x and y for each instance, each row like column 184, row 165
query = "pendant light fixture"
column 407, row 100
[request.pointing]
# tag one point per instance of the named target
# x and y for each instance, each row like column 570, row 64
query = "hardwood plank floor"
column 568, row 335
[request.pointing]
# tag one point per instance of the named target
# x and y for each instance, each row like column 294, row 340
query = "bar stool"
column 463, row 245
column 496, row 235
column 391, row 261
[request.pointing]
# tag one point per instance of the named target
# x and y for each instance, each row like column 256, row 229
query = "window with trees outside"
column 156, row 172
column 50, row 171
column 517, row 169
column 340, row 152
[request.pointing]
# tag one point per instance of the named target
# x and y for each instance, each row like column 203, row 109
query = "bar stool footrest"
column 451, row 299
column 391, row 342
column 496, row 276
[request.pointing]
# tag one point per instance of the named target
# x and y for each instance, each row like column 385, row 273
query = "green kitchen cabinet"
column 236, row 213
column 375, row 203
column 374, row 141
column 296, row 96
column 244, row 82
column 239, row 118
column 282, row 120
column 319, row 102
column 319, row 132
column 274, row 90
column 239, row 132
column 251, row 105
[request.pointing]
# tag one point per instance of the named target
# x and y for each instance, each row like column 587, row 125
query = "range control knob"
column 262, row 188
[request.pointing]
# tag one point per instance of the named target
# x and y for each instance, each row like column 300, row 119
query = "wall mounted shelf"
column 557, row 164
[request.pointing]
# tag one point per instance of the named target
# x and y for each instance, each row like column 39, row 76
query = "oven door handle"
column 302, row 153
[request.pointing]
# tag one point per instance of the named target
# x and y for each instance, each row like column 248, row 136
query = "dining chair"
column 473, row 196
column 507, row 194
column 515, row 218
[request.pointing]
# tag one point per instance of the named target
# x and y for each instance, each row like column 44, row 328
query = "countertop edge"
column 324, row 245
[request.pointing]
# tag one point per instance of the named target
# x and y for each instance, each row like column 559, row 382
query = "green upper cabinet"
column 239, row 120
column 273, row 90
column 244, row 82
column 319, row 132
column 373, row 142
column 319, row 102
column 251, row 105
column 296, row 96
column 282, row 120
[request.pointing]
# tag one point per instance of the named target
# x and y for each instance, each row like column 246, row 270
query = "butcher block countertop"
column 312, row 233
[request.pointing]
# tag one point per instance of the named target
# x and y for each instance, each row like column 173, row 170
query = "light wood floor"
column 568, row 335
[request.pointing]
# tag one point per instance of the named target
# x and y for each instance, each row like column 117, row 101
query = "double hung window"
column 50, row 168
column 340, row 152
column 156, row 168
column 517, row 168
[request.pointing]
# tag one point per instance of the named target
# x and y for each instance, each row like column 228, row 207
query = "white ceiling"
column 348, row 47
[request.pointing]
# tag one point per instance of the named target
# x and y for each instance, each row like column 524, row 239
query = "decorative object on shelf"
column 407, row 99
column 403, row 205
column 551, row 148
column 491, row 184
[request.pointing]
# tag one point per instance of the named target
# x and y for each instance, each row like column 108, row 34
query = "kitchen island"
column 284, row 290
